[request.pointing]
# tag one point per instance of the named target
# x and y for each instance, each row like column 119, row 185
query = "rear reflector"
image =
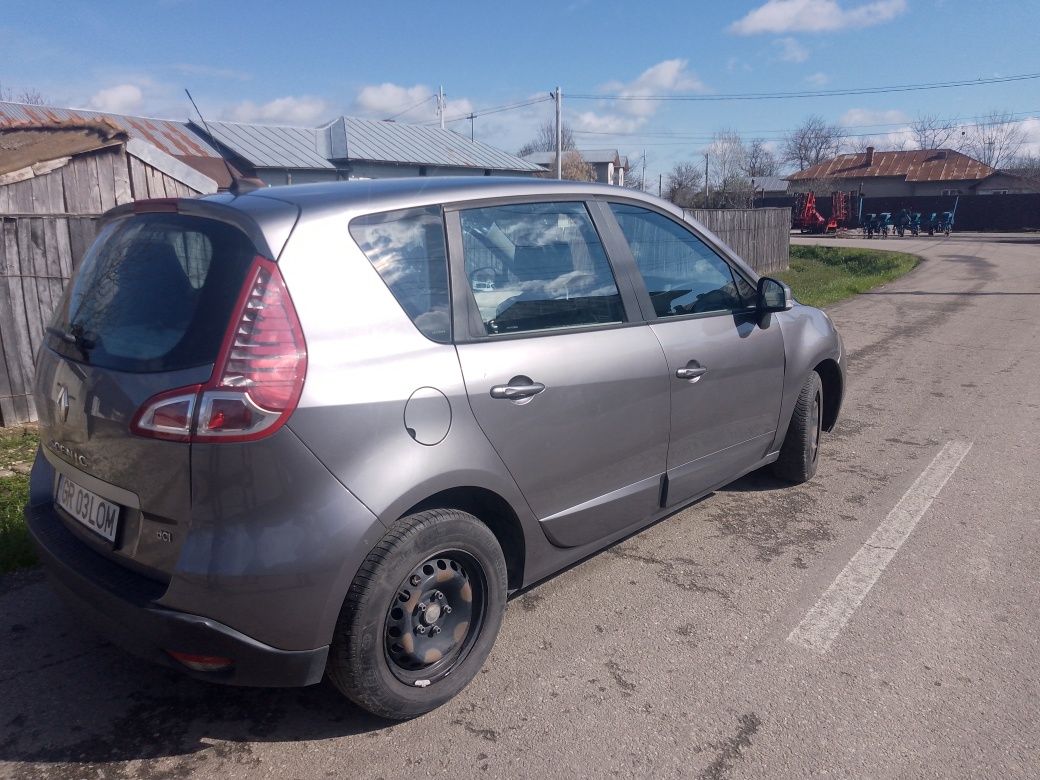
column 202, row 663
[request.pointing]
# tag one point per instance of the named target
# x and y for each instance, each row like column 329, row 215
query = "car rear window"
column 154, row 293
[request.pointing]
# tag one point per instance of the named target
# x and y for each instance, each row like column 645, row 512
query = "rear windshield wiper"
column 74, row 336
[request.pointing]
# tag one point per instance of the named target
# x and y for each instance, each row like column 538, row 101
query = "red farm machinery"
column 808, row 219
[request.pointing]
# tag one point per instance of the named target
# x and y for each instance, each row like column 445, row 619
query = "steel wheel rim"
column 435, row 617
column 814, row 431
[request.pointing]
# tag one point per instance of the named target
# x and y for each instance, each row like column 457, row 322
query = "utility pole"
column 642, row 179
column 559, row 133
column 660, row 183
column 440, row 104
column 705, row 180
column 471, row 118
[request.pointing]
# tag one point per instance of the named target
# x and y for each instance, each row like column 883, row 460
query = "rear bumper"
column 121, row 605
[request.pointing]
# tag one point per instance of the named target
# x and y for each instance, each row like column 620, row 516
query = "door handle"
column 692, row 373
column 516, row 392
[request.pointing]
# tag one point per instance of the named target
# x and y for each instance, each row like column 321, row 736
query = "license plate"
column 88, row 508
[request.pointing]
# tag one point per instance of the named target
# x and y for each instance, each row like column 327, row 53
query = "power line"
column 817, row 93
column 702, row 134
column 426, row 99
column 684, row 140
column 495, row 109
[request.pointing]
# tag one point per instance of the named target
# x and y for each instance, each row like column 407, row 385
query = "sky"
column 307, row 62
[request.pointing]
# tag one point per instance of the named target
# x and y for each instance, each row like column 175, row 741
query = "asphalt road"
column 672, row 654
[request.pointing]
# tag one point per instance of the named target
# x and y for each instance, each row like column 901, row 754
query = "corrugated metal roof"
column 771, row 183
column 172, row 137
column 541, row 159
column 396, row 142
column 271, row 146
column 588, row 155
column 916, row 165
column 600, row 155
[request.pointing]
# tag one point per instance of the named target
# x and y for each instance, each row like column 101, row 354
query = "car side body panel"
column 810, row 338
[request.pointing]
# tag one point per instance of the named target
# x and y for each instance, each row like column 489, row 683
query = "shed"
column 57, row 176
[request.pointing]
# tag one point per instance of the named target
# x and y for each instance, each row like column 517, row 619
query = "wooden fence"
column 37, row 257
column 47, row 223
column 760, row 237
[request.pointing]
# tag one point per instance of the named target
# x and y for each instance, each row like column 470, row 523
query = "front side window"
column 682, row 273
column 538, row 266
column 407, row 250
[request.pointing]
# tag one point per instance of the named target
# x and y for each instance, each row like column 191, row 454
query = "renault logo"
column 62, row 399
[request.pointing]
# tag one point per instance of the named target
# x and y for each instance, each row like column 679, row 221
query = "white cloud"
column 1031, row 128
column 780, row 16
column 817, row 79
column 858, row 117
column 791, row 50
column 302, row 110
column 120, row 99
column 663, row 78
column 386, row 100
column 603, row 123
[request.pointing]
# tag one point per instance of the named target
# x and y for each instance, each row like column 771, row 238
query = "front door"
column 725, row 364
column 572, row 395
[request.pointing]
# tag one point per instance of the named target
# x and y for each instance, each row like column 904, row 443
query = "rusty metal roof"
column 916, row 165
column 172, row 137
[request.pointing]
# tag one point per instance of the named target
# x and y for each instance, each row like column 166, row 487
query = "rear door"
column 725, row 363
column 145, row 313
column 563, row 376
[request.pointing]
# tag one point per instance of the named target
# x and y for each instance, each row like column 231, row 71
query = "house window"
column 422, row 170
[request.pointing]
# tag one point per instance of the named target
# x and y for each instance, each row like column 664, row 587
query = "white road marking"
column 821, row 624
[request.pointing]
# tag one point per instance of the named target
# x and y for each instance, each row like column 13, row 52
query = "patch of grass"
column 17, row 447
column 821, row 275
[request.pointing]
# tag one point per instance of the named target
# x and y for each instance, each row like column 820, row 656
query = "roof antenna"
column 238, row 185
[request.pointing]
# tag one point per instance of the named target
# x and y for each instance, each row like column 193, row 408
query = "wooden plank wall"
column 47, row 223
column 761, row 237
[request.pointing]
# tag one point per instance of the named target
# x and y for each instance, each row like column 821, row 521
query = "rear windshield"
column 154, row 293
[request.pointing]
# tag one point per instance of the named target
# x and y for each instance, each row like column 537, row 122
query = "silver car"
column 326, row 430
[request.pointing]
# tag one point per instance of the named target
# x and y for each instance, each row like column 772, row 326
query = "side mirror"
column 773, row 295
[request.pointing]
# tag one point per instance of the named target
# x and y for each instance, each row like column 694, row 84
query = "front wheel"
column 421, row 615
column 800, row 452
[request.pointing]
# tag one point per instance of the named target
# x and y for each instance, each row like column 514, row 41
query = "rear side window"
column 154, row 293
column 682, row 274
column 407, row 250
column 537, row 266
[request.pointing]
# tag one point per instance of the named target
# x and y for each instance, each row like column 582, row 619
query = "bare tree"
column 545, row 140
column 931, row 132
column 812, row 143
column 759, row 160
column 683, row 184
column 996, row 140
column 1027, row 165
column 575, row 168
column 726, row 164
column 29, row 95
column 635, row 174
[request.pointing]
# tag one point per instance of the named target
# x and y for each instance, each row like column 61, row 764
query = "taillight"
column 256, row 381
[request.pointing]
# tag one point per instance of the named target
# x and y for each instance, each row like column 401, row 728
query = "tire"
column 800, row 452
column 388, row 656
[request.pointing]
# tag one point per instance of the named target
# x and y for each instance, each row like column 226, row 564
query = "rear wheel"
column 800, row 452
column 421, row 615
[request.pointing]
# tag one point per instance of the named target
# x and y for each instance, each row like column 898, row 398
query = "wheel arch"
column 830, row 375
column 492, row 510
